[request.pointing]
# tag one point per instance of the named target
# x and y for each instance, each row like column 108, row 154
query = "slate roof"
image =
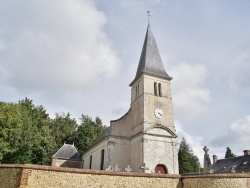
column 67, row 151
column 239, row 164
column 150, row 60
column 103, row 135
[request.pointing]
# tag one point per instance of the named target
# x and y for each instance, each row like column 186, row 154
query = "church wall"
column 121, row 153
column 136, row 154
column 137, row 118
column 137, row 111
column 160, row 150
column 122, row 126
column 95, row 152
column 134, row 95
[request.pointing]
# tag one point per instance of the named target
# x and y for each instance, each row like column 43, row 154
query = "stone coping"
column 87, row 171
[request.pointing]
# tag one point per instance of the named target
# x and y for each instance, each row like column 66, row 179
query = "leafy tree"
column 87, row 132
column 29, row 135
column 41, row 141
column 64, row 128
column 229, row 153
column 10, row 129
column 188, row 162
column 25, row 133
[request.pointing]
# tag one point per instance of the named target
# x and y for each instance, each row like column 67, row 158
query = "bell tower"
column 151, row 106
column 145, row 138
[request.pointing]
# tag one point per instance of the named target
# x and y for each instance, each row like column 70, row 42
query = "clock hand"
column 160, row 113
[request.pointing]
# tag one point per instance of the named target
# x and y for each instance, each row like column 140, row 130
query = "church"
column 144, row 139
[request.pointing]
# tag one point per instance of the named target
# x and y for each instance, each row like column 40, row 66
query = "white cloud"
column 238, row 133
column 54, row 45
column 239, row 72
column 193, row 141
column 237, row 136
column 189, row 92
column 240, row 130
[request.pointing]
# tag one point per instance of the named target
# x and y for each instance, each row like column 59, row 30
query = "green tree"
column 188, row 162
column 40, row 140
column 29, row 135
column 229, row 153
column 25, row 134
column 11, row 125
column 87, row 132
column 64, row 128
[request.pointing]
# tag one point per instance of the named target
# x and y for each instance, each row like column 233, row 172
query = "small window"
column 90, row 162
column 155, row 88
column 138, row 91
column 159, row 88
column 102, row 159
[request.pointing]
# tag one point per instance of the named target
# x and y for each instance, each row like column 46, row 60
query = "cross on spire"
column 148, row 14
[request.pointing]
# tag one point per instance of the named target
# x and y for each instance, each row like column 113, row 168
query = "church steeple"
column 150, row 60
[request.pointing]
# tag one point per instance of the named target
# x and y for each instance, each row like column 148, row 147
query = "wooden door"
column 160, row 168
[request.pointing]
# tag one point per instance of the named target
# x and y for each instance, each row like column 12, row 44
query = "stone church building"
column 143, row 139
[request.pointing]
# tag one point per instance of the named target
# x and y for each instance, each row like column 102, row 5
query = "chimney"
column 215, row 158
column 246, row 152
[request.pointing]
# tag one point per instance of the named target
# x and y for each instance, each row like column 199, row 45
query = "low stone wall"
column 10, row 177
column 47, row 176
column 216, row 181
column 27, row 176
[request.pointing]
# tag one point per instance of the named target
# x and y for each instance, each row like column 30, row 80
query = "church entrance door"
column 160, row 168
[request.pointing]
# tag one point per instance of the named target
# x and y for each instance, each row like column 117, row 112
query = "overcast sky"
column 79, row 56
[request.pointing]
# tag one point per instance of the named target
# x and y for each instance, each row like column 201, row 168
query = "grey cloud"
column 54, row 45
column 238, row 133
column 239, row 72
column 189, row 91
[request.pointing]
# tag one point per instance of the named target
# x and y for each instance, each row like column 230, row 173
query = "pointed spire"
column 150, row 60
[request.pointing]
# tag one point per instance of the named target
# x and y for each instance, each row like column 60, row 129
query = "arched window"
column 159, row 88
column 155, row 88
column 138, row 91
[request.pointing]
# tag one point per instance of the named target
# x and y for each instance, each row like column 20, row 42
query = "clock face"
column 158, row 113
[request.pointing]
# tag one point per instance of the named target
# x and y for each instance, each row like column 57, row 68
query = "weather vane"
column 148, row 15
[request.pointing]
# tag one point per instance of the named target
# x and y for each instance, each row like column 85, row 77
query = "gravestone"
column 128, row 169
column 109, row 168
column 117, row 168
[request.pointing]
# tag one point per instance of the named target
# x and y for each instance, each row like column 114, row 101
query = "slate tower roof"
column 150, row 60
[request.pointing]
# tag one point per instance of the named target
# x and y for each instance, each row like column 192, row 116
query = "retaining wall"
column 27, row 176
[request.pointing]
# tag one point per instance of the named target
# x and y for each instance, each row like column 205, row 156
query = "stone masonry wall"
column 216, row 181
column 10, row 177
column 47, row 176
column 27, row 176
